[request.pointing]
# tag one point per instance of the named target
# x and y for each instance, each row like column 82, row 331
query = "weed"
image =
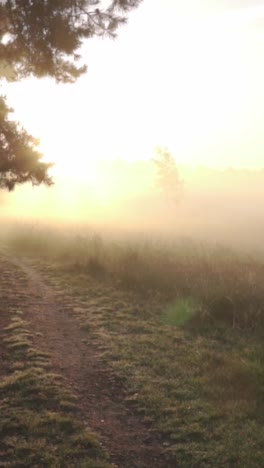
column 181, row 311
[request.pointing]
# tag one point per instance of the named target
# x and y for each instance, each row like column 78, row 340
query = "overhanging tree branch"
column 20, row 161
column 43, row 38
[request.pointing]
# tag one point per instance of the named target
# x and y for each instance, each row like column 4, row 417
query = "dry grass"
column 38, row 425
column 201, row 388
column 182, row 325
column 229, row 287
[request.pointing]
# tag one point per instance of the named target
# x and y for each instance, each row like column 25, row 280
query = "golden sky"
column 186, row 75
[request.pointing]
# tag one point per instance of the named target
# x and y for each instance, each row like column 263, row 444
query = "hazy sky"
column 184, row 74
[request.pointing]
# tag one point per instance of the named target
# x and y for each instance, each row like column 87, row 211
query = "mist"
column 123, row 197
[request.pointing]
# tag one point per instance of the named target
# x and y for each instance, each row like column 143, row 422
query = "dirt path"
column 100, row 395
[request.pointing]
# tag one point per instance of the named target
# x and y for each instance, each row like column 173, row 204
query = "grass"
column 183, row 328
column 181, row 311
column 38, row 422
column 200, row 387
column 227, row 285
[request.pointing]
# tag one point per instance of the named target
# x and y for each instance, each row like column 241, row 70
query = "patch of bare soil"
column 128, row 440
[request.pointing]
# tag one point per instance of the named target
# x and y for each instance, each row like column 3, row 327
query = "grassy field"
column 223, row 285
column 182, row 325
column 38, row 426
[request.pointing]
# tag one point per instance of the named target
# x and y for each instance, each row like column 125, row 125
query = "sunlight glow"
column 196, row 87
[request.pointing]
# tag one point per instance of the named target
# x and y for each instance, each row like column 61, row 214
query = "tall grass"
column 228, row 286
column 202, row 391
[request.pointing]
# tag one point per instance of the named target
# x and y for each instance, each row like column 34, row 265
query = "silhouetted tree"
column 19, row 159
column 168, row 178
column 43, row 38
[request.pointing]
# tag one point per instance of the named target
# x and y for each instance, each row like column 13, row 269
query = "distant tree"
column 43, row 38
column 168, row 179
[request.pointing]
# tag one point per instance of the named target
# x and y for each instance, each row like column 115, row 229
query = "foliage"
column 181, row 311
column 19, row 158
column 43, row 38
column 168, row 177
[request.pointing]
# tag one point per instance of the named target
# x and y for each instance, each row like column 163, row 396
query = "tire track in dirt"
column 130, row 443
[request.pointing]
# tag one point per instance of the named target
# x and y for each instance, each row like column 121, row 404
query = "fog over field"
column 222, row 206
column 199, row 92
